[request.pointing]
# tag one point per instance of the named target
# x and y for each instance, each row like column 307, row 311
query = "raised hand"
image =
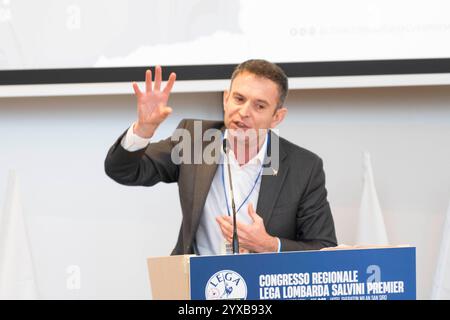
column 152, row 107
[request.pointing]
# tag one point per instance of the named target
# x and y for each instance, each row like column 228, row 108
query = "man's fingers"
column 148, row 81
column 137, row 92
column 242, row 227
column 222, row 221
column 225, row 232
column 170, row 83
column 224, row 224
column 166, row 111
column 229, row 221
column 158, row 77
column 252, row 213
column 242, row 250
column 251, row 210
column 161, row 113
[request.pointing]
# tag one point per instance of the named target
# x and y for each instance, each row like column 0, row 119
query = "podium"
column 387, row 273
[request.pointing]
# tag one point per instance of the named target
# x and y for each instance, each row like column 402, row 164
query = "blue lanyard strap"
column 246, row 198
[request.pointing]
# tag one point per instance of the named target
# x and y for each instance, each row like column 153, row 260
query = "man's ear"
column 278, row 117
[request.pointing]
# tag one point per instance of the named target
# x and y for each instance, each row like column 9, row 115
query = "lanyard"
column 246, row 198
column 225, row 189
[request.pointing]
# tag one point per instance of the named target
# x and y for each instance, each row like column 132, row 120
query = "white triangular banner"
column 441, row 281
column 371, row 228
column 17, row 277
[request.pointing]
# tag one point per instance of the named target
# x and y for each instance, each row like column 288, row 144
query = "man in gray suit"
column 284, row 181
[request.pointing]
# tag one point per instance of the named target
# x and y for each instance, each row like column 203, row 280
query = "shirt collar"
column 259, row 158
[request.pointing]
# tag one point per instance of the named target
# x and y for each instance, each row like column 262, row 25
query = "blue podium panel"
column 361, row 274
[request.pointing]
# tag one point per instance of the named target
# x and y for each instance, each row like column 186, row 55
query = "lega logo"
column 226, row 284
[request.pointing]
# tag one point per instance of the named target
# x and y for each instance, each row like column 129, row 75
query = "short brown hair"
column 268, row 70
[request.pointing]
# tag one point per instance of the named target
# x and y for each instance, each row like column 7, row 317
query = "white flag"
column 441, row 283
column 17, row 278
column 371, row 228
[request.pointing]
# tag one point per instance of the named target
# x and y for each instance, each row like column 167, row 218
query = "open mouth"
column 240, row 125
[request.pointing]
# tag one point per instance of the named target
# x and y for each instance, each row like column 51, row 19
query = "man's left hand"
column 252, row 237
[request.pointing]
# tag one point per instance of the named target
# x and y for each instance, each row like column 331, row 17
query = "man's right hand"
column 152, row 106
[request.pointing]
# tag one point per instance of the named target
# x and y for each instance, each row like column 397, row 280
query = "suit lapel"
column 271, row 185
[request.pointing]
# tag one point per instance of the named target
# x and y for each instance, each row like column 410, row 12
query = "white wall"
column 76, row 215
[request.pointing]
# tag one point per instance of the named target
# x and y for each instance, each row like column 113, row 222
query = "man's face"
column 252, row 103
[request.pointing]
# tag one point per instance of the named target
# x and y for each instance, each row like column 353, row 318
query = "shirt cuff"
column 279, row 244
column 132, row 142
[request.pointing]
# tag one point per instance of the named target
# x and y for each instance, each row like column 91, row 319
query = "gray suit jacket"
column 293, row 203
